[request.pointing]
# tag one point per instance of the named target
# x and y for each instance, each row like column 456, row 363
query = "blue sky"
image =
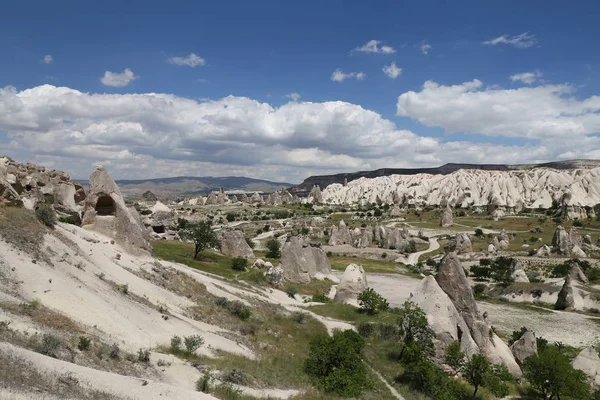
column 265, row 51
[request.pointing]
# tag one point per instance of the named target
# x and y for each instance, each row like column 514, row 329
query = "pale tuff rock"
column 161, row 220
column 211, row 199
column 575, row 238
column 517, row 272
column 234, row 199
column 491, row 248
column 503, row 237
column 446, row 219
column 352, row 284
column 255, row 198
column 261, row 264
column 365, row 239
column 244, row 198
column 398, row 239
column 544, row 251
column 315, row 196
column 274, row 275
column 453, row 281
column 461, row 244
column 576, row 252
column 570, row 296
column 588, row 362
column 105, row 211
column 340, row 235
column 233, row 244
column 149, row 196
column 301, row 261
column 560, row 241
column 524, row 347
column 503, row 191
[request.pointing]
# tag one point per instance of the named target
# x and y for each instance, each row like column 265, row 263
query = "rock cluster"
column 461, row 244
column 233, row 244
column 340, row 235
column 568, row 243
column 352, row 284
column 303, row 261
column 570, row 296
column 524, row 347
column 105, row 212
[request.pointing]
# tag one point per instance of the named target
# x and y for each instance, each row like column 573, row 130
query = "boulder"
column 315, row 196
column 460, row 244
column 544, row 251
column 575, row 238
column 274, row 275
column 503, row 236
column 261, row 264
column 560, row 241
column 570, row 296
column 491, row 248
column 352, row 284
column 524, row 347
column 301, row 262
column 517, row 272
column 446, row 219
column 255, row 198
column 588, row 362
column 244, row 198
column 105, row 212
column 149, row 196
column 233, row 244
column 576, row 252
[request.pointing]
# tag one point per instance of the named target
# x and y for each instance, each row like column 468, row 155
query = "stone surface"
column 301, row 262
column 353, row 283
column 461, row 244
column 340, row 235
column 446, row 219
column 588, row 362
column 524, row 347
column 233, row 244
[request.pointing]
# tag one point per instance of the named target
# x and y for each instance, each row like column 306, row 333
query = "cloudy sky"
column 281, row 90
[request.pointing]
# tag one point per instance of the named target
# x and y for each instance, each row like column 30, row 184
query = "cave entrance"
column 106, row 206
column 159, row 229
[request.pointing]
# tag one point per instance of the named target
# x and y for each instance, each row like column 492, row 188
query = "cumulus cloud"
column 541, row 112
column 339, row 76
column 117, row 79
column 392, row 70
column 373, row 46
column 191, row 60
column 528, row 78
column 158, row 135
column 293, row 96
column 425, row 48
column 522, row 41
column 47, row 59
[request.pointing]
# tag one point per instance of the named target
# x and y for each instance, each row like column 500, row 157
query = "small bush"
column 193, row 343
column 114, row 351
column 249, row 329
column 478, row 232
column 239, row 309
column 234, row 376
column 222, row 301
column 230, row 217
column 387, row 331
column 84, row 343
column 49, row 345
column 304, row 231
column 578, row 223
column 384, row 255
column 479, row 289
column 239, row 263
column 228, row 392
column 329, row 254
column 372, row 302
column 273, row 247
column 251, row 244
column 144, row 355
column 299, row 317
column 366, row 329
column 46, row 215
column 291, row 291
column 203, row 383
column 175, row 343
column 319, row 297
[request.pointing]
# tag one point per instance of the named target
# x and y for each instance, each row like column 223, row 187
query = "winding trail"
column 390, row 387
column 413, row 258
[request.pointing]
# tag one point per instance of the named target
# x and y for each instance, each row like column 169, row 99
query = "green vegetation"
column 372, row 302
column 273, row 248
column 201, row 234
column 414, row 331
column 239, row 264
column 46, row 215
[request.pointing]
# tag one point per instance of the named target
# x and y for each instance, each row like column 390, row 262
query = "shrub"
column 144, row 355
column 266, row 228
column 387, row 331
column 175, row 343
column 273, row 247
column 239, row 263
column 577, row 223
column 193, row 343
column 249, row 329
column 304, row 231
column 46, row 215
column 414, row 330
column 230, row 217
column 478, row 232
column 366, row 329
column 84, row 343
column 454, row 357
column 516, row 335
column 372, row 302
column 335, row 363
column 299, row 317
column 114, row 351
column 251, row 243
column 203, row 383
column 234, row 376
column 384, row 255
column 49, row 345
column 239, row 309
column 222, row 301
column 479, row 289
column 377, row 212
column 291, row 291
column 228, row 392
column 319, row 297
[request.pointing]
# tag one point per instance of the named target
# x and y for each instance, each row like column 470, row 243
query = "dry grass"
column 43, row 316
column 21, row 228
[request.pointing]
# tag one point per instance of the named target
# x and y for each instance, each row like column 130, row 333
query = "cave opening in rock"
column 106, row 206
column 159, row 229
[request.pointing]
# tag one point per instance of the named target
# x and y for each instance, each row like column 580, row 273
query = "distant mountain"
column 324, row 180
column 190, row 185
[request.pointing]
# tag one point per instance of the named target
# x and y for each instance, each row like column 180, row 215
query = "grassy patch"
column 340, row 263
column 21, row 228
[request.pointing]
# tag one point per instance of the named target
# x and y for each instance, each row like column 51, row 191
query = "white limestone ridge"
column 513, row 190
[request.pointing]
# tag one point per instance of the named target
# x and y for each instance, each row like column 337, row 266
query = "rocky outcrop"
column 544, row 251
column 570, row 296
column 517, row 272
column 560, row 241
column 261, row 264
column 461, row 244
column 365, row 239
column 524, row 347
column 352, row 284
column 105, row 212
column 446, row 219
column 340, row 235
column 233, row 244
column 588, row 362
column 315, row 196
column 274, row 275
column 302, row 261
column 149, row 196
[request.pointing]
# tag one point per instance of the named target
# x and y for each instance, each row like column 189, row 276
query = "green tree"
column 273, row 247
column 476, row 370
column 372, row 302
column 414, row 330
column 454, row 357
column 552, row 375
column 335, row 363
column 201, row 234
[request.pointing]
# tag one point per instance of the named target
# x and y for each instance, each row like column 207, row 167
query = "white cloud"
column 425, row 48
column 158, row 135
column 339, row 76
column 542, row 112
column 526, row 77
column 47, row 59
column 392, row 70
column 373, row 46
column 116, row 79
column 522, row 41
column 293, row 96
column 192, row 60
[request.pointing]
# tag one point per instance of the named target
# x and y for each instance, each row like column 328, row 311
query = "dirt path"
column 382, row 379
column 413, row 258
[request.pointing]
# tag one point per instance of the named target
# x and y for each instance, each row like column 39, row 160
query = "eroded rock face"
column 570, row 296
column 560, row 241
column 517, row 272
column 365, row 239
column 340, row 235
column 315, row 196
column 524, row 347
column 149, row 196
column 352, row 284
column 233, row 244
column 105, row 212
column 274, row 275
column 446, row 219
column 588, row 362
column 461, row 244
column 301, row 261
column 544, row 251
